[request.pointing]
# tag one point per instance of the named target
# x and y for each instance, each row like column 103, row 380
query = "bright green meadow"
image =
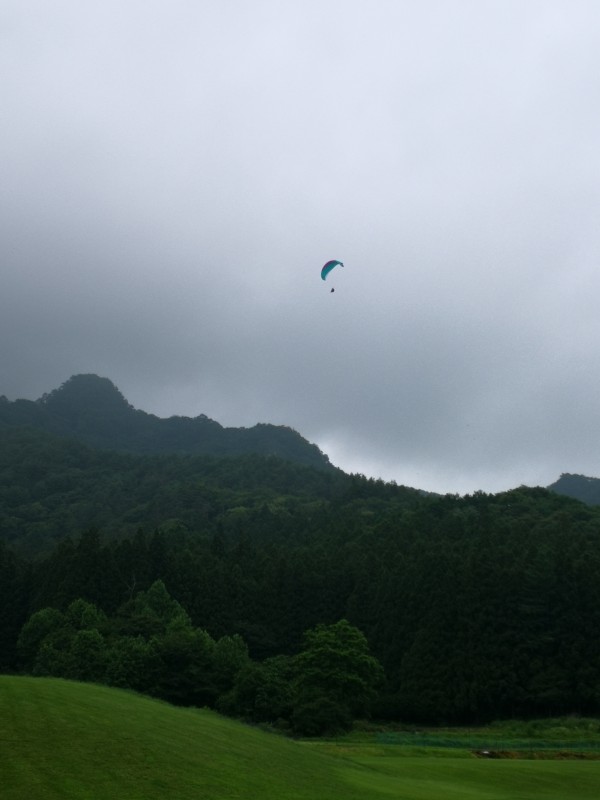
column 67, row 740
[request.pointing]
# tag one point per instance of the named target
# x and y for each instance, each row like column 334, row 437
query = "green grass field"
column 67, row 740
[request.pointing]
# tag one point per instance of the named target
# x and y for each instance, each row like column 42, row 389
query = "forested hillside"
column 51, row 487
column 578, row 486
column 92, row 410
column 478, row 607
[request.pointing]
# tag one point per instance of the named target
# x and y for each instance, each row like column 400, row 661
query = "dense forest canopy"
column 244, row 582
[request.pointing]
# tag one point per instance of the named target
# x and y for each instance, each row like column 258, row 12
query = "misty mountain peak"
column 85, row 392
column 92, row 409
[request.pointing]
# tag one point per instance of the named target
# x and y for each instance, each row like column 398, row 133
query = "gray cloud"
column 173, row 175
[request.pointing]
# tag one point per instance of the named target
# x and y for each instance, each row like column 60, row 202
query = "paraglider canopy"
column 328, row 267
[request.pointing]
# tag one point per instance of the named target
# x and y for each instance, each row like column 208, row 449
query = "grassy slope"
column 66, row 740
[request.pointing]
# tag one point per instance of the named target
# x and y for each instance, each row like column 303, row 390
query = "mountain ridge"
column 93, row 410
column 579, row 487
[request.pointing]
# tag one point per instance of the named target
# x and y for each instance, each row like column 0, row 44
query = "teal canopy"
column 328, row 267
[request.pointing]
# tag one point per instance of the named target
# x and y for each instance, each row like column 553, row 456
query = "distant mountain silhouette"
column 92, row 409
column 578, row 486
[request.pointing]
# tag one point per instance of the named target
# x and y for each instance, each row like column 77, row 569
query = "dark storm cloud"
column 173, row 176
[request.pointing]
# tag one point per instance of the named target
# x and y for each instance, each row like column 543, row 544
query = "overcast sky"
column 174, row 173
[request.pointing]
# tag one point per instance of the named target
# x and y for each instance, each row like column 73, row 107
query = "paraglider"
column 328, row 267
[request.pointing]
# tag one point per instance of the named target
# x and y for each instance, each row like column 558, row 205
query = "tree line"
column 476, row 608
column 150, row 645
